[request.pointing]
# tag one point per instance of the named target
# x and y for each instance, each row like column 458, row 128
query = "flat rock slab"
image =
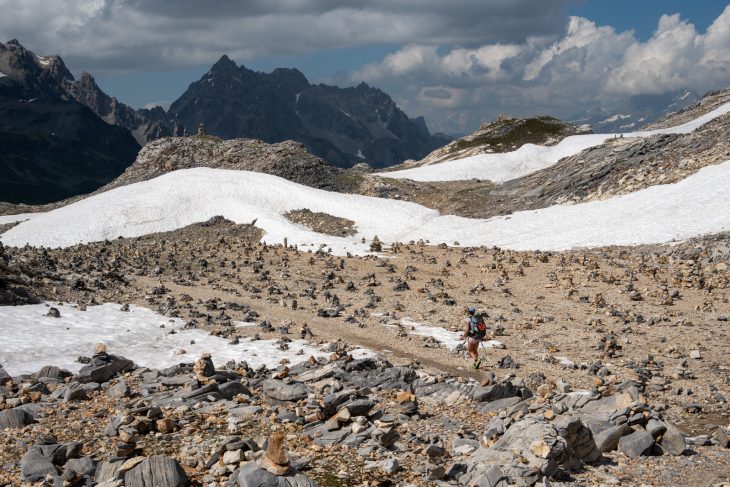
column 157, row 471
column 251, row 475
column 281, row 391
column 103, row 368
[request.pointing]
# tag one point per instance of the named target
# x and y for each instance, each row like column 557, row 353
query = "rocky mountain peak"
column 42, row 74
column 290, row 79
column 223, row 65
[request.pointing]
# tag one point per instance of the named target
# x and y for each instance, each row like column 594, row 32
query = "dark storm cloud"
column 144, row 34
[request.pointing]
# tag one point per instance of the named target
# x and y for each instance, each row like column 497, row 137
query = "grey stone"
column 281, row 391
column 251, row 475
column 119, row 390
column 108, row 471
column 492, row 477
column 103, row 367
column 635, row 444
column 14, row 418
column 157, row 471
column 35, row 466
column 607, row 440
column 53, row 372
column 499, row 404
column 74, row 392
column 83, row 466
column 494, row 392
column 655, row 427
column 673, row 440
column 231, row 389
column 244, row 411
column 329, row 438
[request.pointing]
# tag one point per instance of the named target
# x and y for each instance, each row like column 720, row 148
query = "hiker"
column 476, row 331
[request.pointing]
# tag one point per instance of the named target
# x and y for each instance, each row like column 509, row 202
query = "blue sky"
column 457, row 63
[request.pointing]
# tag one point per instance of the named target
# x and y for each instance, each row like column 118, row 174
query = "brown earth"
column 650, row 306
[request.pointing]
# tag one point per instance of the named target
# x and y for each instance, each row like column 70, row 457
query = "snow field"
column 529, row 158
column 697, row 205
column 31, row 340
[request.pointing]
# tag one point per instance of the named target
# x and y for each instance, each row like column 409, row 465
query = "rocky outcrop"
column 503, row 135
column 289, row 160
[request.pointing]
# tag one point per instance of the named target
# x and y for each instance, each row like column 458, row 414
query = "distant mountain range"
column 636, row 112
column 342, row 125
column 345, row 126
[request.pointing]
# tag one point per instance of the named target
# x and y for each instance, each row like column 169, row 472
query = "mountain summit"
column 343, row 125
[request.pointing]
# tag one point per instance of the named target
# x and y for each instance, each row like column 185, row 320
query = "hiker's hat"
column 472, row 309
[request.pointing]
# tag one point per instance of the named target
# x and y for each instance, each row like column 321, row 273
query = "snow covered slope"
column 697, row 205
column 17, row 218
column 137, row 334
column 529, row 158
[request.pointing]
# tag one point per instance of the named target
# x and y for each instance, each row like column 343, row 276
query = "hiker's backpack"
column 478, row 327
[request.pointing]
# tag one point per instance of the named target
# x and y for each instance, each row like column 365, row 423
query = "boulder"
column 282, row 391
column 36, row 466
column 673, row 441
column 607, row 440
column 14, row 418
column 251, row 475
column 636, row 444
column 530, row 448
column 158, row 471
column 75, row 392
column 103, row 367
column 79, row 467
column 119, row 390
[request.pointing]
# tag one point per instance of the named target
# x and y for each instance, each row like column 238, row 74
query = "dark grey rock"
column 655, row 427
column 14, row 418
column 103, row 367
column 635, row 444
column 36, row 466
column 231, row 389
column 53, row 372
column 157, row 471
column 607, row 440
column 673, row 440
column 83, row 467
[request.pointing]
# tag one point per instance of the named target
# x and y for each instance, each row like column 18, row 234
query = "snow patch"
column 31, row 340
column 529, row 158
column 43, row 61
column 20, row 217
column 449, row 339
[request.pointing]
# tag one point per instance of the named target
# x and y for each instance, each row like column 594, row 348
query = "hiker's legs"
column 473, row 348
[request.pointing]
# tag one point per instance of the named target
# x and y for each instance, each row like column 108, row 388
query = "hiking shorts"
column 474, row 341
